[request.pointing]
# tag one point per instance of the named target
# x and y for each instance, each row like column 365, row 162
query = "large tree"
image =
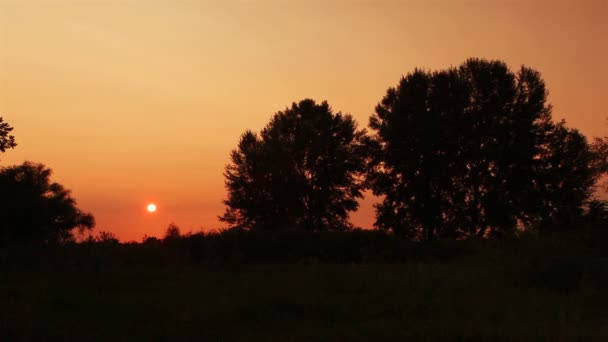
column 303, row 171
column 472, row 151
column 33, row 209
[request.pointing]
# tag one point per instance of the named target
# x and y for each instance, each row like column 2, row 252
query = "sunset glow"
column 151, row 208
column 127, row 100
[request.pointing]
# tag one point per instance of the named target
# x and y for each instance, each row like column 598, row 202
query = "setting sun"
column 151, row 207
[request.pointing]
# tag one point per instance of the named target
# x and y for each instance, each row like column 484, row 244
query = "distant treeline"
column 563, row 261
column 466, row 152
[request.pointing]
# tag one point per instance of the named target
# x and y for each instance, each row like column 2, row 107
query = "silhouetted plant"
column 597, row 221
column 150, row 240
column 599, row 147
column 34, row 209
column 597, row 213
column 303, row 171
column 106, row 237
column 172, row 233
column 7, row 141
column 472, row 151
column 565, row 179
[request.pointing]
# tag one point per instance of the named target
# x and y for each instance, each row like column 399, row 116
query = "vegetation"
column 488, row 229
column 472, row 151
column 34, row 209
column 7, row 141
column 303, row 171
column 226, row 286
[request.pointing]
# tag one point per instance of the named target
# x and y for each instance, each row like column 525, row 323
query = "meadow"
column 533, row 288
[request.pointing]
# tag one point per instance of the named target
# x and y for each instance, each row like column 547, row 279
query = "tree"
column 7, row 141
column 303, row 171
column 35, row 210
column 107, row 238
column 472, row 151
column 172, row 233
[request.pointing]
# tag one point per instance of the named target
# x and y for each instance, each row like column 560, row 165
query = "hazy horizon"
column 132, row 103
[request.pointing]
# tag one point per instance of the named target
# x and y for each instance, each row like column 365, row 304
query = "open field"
column 509, row 293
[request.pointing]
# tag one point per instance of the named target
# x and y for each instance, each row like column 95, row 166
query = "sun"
column 151, row 207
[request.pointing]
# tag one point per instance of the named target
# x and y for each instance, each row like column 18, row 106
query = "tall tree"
column 303, row 171
column 466, row 151
column 35, row 210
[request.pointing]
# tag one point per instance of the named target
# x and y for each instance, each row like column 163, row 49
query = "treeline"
column 563, row 262
column 466, row 152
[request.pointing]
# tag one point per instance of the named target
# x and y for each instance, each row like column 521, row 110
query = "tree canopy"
column 33, row 209
column 7, row 141
column 473, row 150
column 302, row 171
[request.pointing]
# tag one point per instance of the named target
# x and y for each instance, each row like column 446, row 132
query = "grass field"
column 489, row 295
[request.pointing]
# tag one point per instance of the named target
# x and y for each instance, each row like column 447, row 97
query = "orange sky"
column 135, row 101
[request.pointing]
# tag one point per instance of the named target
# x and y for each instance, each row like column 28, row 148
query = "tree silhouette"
column 172, row 233
column 566, row 179
column 597, row 214
column 107, row 238
column 35, row 210
column 599, row 147
column 473, row 151
column 6, row 140
column 303, row 171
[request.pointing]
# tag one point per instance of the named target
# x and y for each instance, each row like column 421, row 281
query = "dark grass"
column 531, row 289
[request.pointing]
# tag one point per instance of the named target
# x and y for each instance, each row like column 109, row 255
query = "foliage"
column 35, row 210
column 565, row 180
column 599, row 148
column 172, row 233
column 106, row 237
column 472, row 151
column 7, row 141
column 597, row 213
column 544, row 288
column 303, row 171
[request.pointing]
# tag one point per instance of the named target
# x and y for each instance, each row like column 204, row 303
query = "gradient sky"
column 136, row 101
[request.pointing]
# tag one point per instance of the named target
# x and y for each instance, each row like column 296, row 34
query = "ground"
column 467, row 299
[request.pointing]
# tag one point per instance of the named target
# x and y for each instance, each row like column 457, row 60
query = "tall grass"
column 325, row 287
